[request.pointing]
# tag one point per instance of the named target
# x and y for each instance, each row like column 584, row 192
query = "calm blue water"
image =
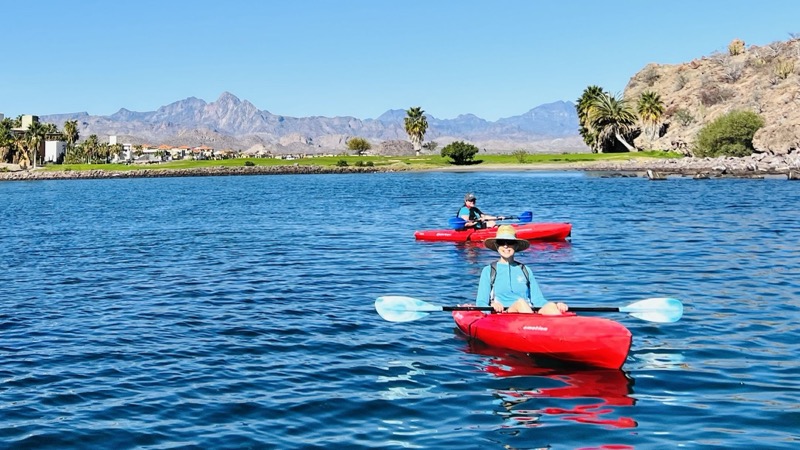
column 237, row 312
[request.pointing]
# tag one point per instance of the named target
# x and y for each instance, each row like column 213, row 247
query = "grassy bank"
column 399, row 162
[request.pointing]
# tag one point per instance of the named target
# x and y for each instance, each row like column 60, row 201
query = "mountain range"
column 232, row 123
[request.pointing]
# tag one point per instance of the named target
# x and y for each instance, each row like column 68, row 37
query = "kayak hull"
column 591, row 341
column 544, row 231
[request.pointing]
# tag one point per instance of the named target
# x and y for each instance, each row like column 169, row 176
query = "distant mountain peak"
column 227, row 97
column 241, row 125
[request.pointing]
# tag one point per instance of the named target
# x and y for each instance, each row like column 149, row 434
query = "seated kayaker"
column 474, row 217
column 509, row 284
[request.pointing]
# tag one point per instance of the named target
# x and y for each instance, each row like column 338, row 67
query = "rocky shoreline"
column 754, row 166
column 21, row 175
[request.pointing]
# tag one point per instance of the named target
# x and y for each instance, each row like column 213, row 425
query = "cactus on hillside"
column 736, row 47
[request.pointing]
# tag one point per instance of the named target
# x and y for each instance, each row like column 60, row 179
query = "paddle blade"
column 398, row 308
column 527, row 216
column 456, row 223
column 660, row 310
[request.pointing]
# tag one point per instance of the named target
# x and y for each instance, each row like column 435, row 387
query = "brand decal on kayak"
column 534, row 328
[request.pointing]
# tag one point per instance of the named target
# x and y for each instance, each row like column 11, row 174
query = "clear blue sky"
column 492, row 58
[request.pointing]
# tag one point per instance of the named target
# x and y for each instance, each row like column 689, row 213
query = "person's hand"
column 498, row 307
column 562, row 307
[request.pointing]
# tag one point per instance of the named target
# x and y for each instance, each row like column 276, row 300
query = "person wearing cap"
column 473, row 216
column 512, row 287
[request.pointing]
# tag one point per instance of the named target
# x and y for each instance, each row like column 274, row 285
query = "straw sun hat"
column 506, row 233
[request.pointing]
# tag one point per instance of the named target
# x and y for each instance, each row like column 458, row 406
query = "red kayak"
column 591, row 341
column 528, row 231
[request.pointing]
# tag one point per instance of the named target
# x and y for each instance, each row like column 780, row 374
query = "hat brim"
column 521, row 244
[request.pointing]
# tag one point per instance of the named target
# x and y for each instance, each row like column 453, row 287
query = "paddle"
column 457, row 222
column 397, row 308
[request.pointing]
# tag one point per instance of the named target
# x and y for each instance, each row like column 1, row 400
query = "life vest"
column 474, row 214
column 493, row 275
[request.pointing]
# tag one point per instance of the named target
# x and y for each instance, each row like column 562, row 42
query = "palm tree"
column 416, row 125
column 116, row 151
column 90, row 146
column 611, row 118
column 583, row 106
column 71, row 132
column 6, row 139
column 650, row 109
column 34, row 137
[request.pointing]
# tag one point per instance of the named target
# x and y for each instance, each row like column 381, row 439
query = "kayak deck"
column 543, row 231
column 591, row 341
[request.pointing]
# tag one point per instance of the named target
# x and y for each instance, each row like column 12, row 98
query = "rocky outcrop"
column 765, row 80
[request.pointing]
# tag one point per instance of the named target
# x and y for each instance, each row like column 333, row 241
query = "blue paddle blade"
column 398, row 308
column 660, row 310
column 456, row 222
column 527, row 216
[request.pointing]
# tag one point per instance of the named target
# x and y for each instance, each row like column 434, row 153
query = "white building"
column 54, row 151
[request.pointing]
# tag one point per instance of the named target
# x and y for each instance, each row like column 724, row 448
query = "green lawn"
column 409, row 162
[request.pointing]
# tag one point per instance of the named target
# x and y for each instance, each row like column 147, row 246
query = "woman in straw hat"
column 512, row 285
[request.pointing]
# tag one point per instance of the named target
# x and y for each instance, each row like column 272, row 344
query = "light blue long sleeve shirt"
column 509, row 286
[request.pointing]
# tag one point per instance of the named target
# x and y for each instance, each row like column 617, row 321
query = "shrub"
column 784, row 68
column 712, row 95
column 684, row 117
column 249, row 164
column 733, row 72
column 370, row 164
column 520, row 155
column 359, row 164
column 650, row 76
column 681, row 82
column 341, row 163
column 729, row 135
column 460, row 152
column 736, row 47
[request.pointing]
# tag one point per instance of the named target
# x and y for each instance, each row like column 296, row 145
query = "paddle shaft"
column 573, row 309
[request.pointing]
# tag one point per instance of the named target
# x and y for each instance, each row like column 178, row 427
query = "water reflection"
column 542, row 388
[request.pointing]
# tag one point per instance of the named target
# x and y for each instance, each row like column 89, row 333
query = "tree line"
column 608, row 123
column 26, row 147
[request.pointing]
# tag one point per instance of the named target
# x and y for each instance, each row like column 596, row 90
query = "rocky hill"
column 237, row 124
column 765, row 80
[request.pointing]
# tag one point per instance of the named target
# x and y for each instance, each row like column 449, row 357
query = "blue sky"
column 493, row 58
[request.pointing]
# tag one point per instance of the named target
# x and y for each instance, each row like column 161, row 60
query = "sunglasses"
column 505, row 243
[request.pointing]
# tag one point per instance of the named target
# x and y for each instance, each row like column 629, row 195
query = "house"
column 54, row 151
column 54, row 146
